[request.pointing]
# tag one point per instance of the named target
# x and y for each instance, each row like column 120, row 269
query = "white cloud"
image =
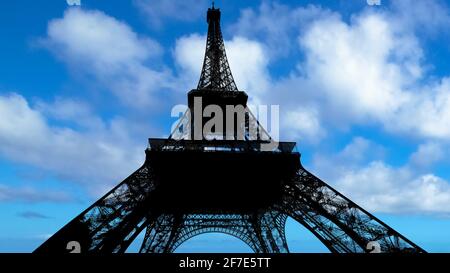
column 248, row 61
column 98, row 37
column 370, row 69
column 357, row 153
column 94, row 157
column 96, row 44
column 368, row 72
column 427, row 17
column 382, row 188
column 31, row 195
column 71, row 111
column 428, row 113
column 359, row 150
column 189, row 54
column 275, row 24
column 303, row 123
column 352, row 66
column 379, row 187
column 427, row 154
column 65, row 109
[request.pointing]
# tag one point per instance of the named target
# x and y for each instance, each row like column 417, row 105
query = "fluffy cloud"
column 248, row 61
column 107, row 49
column 430, row 108
column 352, row 63
column 96, row 158
column 372, row 70
column 380, row 187
column 31, row 195
column 100, row 38
column 369, row 69
column 369, row 73
column 431, row 16
column 188, row 53
column 302, row 123
column 275, row 24
column 427, row 154
column 70, row 111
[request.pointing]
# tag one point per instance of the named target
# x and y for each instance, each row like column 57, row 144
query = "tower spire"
column 216, row 73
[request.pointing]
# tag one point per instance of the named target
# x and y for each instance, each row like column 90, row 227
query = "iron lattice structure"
column 216, row 72
column 188, row 187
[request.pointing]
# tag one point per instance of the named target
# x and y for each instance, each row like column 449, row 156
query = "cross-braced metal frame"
column 116, row 219
column 216, row 72
column 263, row 232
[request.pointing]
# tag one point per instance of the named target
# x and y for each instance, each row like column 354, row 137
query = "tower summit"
column 216, row 87
column 216, row 73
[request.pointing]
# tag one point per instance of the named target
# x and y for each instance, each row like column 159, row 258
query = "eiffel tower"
column 236, row 183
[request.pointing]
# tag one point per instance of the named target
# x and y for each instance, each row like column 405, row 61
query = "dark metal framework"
column 216, row 72
column 115, row 220
column 170, row 231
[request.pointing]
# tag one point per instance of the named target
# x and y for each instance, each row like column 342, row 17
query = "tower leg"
column 338, row 222
column 272, row 226
column 160, row 234
column 111, row 223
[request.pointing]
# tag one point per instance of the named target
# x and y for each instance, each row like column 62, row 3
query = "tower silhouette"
column 235, row 180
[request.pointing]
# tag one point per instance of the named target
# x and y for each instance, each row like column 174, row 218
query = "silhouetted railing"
column 162, row 144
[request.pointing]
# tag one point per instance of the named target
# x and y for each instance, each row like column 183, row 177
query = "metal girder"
column 339, row 223
column 111, row 223
column 262, row 233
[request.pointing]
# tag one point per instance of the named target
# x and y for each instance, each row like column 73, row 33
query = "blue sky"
column 364, row 91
